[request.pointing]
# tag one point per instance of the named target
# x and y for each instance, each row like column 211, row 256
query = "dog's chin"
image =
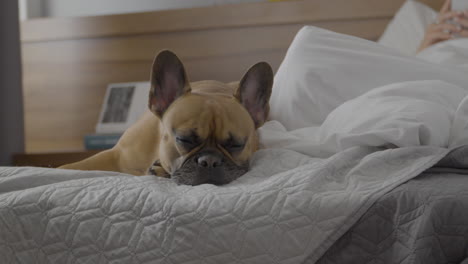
column 192, row 174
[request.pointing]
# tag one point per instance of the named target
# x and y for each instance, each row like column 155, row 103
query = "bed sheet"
column 288, row 208
column 422, row 221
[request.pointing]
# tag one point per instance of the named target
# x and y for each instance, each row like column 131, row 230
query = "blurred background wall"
column 11, row 107
column 66, row 8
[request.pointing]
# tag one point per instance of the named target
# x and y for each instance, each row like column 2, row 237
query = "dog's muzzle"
column 209, row 166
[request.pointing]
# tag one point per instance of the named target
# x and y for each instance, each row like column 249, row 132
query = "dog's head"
column 208, row 129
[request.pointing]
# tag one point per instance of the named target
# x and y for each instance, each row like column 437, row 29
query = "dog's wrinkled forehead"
column 208, row 117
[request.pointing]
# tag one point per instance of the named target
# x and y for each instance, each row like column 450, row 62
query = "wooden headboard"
column 68, row 62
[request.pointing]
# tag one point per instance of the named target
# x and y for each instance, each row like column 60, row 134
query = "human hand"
column 444, row 29
column 462, row 22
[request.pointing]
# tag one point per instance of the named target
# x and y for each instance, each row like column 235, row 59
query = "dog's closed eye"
column 233, row 144
column 187, row 142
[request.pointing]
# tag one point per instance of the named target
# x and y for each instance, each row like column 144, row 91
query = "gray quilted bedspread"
column 289, row 208
column 422, row 221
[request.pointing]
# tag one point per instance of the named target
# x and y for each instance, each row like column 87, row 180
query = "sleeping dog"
column 200, row 132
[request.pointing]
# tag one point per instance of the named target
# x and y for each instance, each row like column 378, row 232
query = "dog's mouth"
column 190, row 173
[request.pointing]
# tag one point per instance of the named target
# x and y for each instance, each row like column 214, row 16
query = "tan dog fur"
column 211, row 108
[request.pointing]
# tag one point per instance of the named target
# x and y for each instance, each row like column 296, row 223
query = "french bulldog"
column 199, row 132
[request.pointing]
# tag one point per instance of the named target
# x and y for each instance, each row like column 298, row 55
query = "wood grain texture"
column 207, row 18
column 68, row 62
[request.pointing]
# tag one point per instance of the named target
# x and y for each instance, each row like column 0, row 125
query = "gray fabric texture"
column 288, row 208
column 422, row 221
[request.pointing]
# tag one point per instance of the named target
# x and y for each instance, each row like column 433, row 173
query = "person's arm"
column 441, row 30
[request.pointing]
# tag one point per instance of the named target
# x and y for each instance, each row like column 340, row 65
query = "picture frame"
column 123, row 105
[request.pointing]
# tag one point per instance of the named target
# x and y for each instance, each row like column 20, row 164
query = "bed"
column 364, row 158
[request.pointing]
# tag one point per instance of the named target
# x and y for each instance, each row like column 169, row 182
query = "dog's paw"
column 158, row 170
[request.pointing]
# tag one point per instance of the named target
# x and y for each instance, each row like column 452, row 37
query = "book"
column 101, row 141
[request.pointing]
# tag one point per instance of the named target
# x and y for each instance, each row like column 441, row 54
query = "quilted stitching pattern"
column 288, row 208
column 422, row 221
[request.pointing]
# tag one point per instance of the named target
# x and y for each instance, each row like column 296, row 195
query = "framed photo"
column 123, row 104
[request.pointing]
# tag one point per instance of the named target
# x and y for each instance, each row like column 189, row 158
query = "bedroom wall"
column 11, row 107
column 66, row 8
column 214, row 43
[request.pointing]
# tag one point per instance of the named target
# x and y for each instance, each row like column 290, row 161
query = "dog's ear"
column 255, row 90
column 168, row 82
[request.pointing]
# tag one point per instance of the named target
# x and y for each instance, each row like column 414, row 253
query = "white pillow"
column 323, row 69
column 406, row 31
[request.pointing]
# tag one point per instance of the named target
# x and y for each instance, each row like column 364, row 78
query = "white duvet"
column 304, row 190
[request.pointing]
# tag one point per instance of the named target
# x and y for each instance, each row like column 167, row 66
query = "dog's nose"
column 209, row 161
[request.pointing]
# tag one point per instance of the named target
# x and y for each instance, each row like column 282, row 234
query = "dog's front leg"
column 107, row 160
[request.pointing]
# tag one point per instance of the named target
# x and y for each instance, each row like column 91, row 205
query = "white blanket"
column 418, row 113
column 302, row 193
column 450, row 53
